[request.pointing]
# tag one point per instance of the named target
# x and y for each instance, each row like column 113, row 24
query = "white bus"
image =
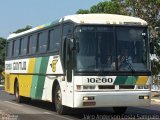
column 82, row 61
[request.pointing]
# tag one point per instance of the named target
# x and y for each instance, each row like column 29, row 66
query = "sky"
column 16, row 14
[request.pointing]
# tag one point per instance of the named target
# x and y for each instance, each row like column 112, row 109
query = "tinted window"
column 9, row 49
column 32, row 44
column 54, row 39
column 67, row 32
column 42, row 42
column 67, row 29
column 16, row 47
column 23, row 50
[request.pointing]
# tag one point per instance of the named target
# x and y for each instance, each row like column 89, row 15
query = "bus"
column 82, row 61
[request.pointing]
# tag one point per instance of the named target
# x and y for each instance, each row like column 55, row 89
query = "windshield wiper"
column 129, row 64
column 125, row 63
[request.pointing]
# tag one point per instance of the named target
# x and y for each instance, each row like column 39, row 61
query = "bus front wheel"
column 19, row 98
column 119, row 110
column 60, row 109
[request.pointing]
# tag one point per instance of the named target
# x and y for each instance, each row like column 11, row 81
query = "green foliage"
column 2, row 53
column 155, row 67
column 81, row 11
column 23, row 29
column 111, row 7
column 145, row 9
column 105, row 7
column 148, row 10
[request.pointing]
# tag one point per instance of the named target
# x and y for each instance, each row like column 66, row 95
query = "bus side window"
column 54, row 39
column 67, row 29
column 16, row 47
column 42, row 42
column 32, row 44
column 23, row 46
column 9, row 49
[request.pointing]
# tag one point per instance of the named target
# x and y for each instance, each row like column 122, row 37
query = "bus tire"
column 119, row 110
column 60, row 109
column 19, row 99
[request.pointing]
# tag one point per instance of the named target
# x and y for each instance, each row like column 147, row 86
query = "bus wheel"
column 60, row 109
column 19, row 98
column 119, row 110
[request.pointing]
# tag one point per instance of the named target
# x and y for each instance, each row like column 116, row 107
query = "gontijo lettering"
column 19, row 65
column 8, row 66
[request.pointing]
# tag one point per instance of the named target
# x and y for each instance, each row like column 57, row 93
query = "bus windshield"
column 106, row 48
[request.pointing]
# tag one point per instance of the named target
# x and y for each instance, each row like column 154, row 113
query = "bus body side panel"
column 35, row 76
column 14, row 70
column 38, row 79
column 26, row 80
column 9, row 87
column 7, row 82
column 54, row 72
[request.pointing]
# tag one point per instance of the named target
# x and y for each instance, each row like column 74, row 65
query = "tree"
column 81, row 11
column 23, row 29
column 148, row 10
column 155, row 67
column 111, row 7
column 2, row 53
column 145, row 9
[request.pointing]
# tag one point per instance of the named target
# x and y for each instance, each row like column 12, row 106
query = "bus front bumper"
column 112, row 99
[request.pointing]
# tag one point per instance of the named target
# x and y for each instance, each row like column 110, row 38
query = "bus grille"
column 126, row 86
column 106, row 87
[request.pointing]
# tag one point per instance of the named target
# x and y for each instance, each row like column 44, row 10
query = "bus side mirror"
column 151, row 48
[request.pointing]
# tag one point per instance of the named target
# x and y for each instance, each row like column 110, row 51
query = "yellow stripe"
column 142, row 80
column 39, row 27
column 31, row 65
column 26, row 80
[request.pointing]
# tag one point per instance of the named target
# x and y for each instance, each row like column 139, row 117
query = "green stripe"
column 131, row 80
column 120, row 80
column 38, row 81
column 35, row 77
column 126, row 80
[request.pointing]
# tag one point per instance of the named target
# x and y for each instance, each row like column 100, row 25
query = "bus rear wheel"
column 119, row 110
column 60, row 109
column 19, row 98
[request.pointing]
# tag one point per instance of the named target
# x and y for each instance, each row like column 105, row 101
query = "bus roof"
column 104, row 19
column 90, row 19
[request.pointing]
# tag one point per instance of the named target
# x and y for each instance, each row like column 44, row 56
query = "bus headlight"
column 85, row 98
